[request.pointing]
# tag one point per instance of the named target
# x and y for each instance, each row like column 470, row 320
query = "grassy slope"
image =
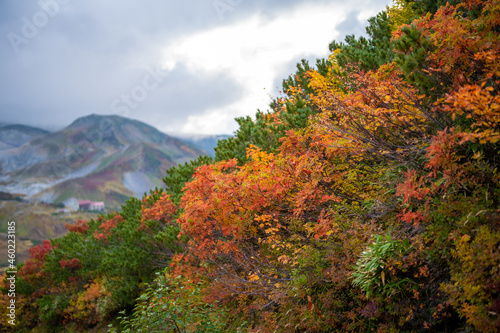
column 34, row 223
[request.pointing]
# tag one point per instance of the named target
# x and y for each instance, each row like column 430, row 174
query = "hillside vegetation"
column 35, row 223
column 365, row 200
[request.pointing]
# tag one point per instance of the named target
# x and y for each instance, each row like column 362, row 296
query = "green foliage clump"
column 423, row 7
column 367, row 53
column 168, row 306
column 370, row 273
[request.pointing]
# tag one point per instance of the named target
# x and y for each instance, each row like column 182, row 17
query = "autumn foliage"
column 368, row 201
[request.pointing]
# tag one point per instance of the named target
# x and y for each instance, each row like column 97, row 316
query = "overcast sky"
column 181, row 66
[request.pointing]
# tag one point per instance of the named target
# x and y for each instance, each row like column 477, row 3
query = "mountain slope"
column 104, row 158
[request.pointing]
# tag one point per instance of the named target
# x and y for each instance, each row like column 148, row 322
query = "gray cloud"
column 352, row 25
column 77, row 57
column 181, row 94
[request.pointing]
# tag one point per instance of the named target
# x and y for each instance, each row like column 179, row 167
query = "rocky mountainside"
column 100, row 158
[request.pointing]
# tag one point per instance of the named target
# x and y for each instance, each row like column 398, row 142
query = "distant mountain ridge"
column 101, row 158
column 12, row 136
column 206, row 142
